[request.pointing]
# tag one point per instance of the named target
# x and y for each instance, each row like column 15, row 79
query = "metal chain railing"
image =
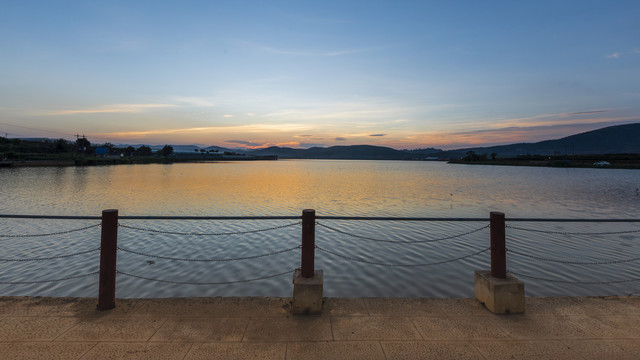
column 205, row 283
column 600, row 262
column 402, row 242
column 575, row 282
column 207, row 234
column 399, row 265
column 50, row 257
column 50, row 234
column 48, row 281
column 573, row 233
column 210, row 260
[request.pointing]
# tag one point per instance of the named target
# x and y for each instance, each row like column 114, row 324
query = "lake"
column 360, row 255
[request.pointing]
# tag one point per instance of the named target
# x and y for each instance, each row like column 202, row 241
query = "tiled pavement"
column 358, row 328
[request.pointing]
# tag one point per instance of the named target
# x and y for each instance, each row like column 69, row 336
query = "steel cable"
column 207, row 234
column 573, row 233
column 204, row 283
column 48, row 281
column 210, row 260
column 401, row 242
column 399, row 265
column 49, row 234
column 603, row 262
column 52, row 257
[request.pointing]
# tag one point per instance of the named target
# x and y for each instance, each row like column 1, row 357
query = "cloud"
column 619, row 54
column 227, row 116
column 588, row 112
column 195, row 101
column 304, row 135
column 115, row 108
column 340, row 139
column 308, row 52
column 238, row 129
column 243, row 142
column 378, row 135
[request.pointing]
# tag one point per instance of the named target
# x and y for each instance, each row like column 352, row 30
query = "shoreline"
column 118, row 161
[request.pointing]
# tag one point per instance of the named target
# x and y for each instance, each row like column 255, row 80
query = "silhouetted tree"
column 83, row 145
column 143, row 151
column 166, row 150
column 129, row 150
column 61, row 145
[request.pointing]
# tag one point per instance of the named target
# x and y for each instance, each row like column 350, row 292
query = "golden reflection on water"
column 332, row 187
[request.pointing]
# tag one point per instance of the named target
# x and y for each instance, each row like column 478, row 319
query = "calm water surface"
column 355, row 188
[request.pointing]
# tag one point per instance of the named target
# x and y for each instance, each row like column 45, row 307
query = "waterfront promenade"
column 351, row 328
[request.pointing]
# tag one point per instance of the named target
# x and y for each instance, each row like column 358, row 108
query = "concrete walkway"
column 369, row 328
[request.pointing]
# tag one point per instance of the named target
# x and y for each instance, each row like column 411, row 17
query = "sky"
column 250, row 74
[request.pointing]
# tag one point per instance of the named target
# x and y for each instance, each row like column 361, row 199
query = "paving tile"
column 253, row 306
column 402, row 307
column 171, row 307
column 43, row 350
column 605, row 349
column 610, row 327
column 374, row 328
column 335, row 350
column 239, row 351
column 113, row 329
column 290, row 328
column 461, row 307
column 47, row 306
column 459, row 328
column 137, row 351
column 344, row 307
column 556, row 306
column 423, row 350
column 34, row 328
column 201, row 330
column 521, row 349
column 542, row 327
column 613, row 305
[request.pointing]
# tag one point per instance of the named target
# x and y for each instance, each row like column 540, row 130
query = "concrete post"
column 307, row 282
column 499, row 292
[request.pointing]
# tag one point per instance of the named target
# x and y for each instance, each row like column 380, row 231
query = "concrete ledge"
column 307, row 294
column 500, row 296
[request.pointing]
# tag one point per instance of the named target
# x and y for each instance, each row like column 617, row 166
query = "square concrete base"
column 307, row 293
column 500, row 296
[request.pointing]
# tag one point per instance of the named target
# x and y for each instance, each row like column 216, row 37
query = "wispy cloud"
column 246, row 143
column 308, row 52
column 227, row 116
column 373, row 135
column 237, row 129
column 619, row 54
column 194, row 101
column 339, row 138
column 115, row 108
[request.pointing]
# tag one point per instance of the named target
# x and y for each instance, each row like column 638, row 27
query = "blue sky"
column 308, row 73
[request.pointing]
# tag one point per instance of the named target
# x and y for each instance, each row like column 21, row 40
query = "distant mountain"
column 353, row 152
column 618, row 139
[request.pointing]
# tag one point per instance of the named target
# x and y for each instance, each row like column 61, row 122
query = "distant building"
column 602, row 163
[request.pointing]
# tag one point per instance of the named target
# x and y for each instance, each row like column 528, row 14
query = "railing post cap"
column 496, row 213
column 110, row 211
column 309, row 211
